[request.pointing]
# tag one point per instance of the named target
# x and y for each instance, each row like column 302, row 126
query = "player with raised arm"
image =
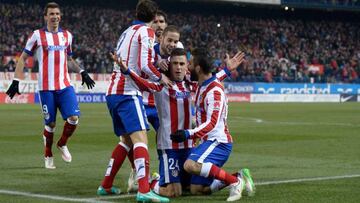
column 206, row 160
column 51, row 46
column 125, row 104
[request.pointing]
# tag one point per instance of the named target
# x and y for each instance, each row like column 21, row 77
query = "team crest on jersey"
column 174, row 173
column 151, row 43
column 63, row 39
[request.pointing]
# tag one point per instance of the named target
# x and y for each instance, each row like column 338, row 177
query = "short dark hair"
column 50, row 5
column 178, row 52
column 146, row 10
column 161, row 13
column 171, row 28
column 202, row 58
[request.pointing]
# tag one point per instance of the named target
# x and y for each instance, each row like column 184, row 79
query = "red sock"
column 117, row 158
column 131, row 158
column 141, row 161
column 222, row 175
column 67, row 132
column 153, row 183
column 48, row 141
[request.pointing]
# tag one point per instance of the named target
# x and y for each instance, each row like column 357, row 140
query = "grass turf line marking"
column 52, row 197
column 258, row 120
column 307, row 179
column 100, row 199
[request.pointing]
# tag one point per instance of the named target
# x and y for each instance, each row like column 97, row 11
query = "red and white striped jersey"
column 174, row 109
column 51, row 51
column 211, row 112
column 148, row 97
column 135, row 47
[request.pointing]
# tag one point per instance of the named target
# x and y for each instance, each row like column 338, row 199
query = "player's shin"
column 48, row 136
column 211, row 170
column 117, row 158
column 69, row 128
column 141, row 160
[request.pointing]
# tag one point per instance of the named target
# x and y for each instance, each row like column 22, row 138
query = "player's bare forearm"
column 74, row 65
column 20, row 65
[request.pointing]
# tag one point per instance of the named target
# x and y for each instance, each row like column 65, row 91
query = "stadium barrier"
column 236, row 92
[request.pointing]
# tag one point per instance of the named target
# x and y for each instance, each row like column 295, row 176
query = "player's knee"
column 190, row 166
column 139, row 137
column 51, row 125
column 177, row 193
column 175, row 189
column 127, row 141
column 73, row 120
column 196, row 190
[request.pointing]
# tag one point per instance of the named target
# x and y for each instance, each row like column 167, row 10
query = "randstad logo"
column 56, row 47
column 312, row 89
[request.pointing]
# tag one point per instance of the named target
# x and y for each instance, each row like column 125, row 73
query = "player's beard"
column 193, row 76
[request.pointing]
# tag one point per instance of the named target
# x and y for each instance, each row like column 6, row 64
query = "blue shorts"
column 127, row 113
column 152, row 116
column 64, row 99
column 209, row 151
column 171, row 166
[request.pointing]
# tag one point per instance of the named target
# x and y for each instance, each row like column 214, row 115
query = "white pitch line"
column 101, row 199
column 307, row 179
column 258, row 120
column 52, row 197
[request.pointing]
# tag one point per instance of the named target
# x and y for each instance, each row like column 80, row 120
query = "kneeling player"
column 216, row 142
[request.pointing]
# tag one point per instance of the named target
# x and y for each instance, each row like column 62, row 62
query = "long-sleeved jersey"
column 135, row 47
column 174, row 110
column 173, row 106
column 211, row 112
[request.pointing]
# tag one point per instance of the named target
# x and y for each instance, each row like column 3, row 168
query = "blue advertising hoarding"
column 292, row 88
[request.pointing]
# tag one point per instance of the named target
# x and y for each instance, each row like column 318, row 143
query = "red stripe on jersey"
column 112, row 82
column 151, row 100
column 56, row 62
column 186, row 111
column 186, row 107
column 128, row 56
column 215, row 114
column 228, row 136
column 139, row 52
column 121, row 85
column 45, row 66
column 173, row 114
column 66, row 79
column 153, row 69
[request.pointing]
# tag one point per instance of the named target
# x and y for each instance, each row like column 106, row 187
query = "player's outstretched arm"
column 90, row 83
column 143, row 84
column 14, row 87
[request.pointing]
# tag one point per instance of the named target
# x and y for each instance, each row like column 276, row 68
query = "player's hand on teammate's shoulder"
column 234, row 62
column 163, row 64
column 165, row 81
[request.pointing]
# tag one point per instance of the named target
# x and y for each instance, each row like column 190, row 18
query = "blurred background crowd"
column 279, row 48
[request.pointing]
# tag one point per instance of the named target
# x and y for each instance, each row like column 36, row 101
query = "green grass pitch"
column 278, row 142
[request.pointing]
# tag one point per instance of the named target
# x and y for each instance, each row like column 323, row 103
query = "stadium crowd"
column 278, row 49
